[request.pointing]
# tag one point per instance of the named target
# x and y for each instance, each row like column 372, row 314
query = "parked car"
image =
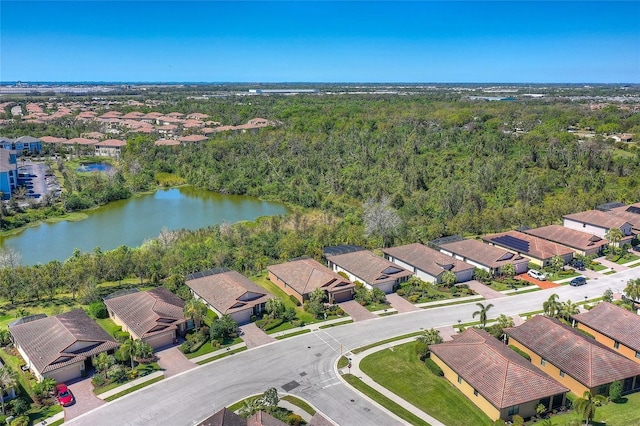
column 577, row 264
column 64, row 395
column 540, row 276
column 578, row 281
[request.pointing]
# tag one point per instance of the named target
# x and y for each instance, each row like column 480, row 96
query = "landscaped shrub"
column 19, row 406
column 297, row 323
column 121, row 336
column 98, row 310
column 433, row 367
column 20, row 421
column 400, row 292
column 413, row 298
column 185, row 348
column 521, row 353
column 269, row 323
column 422, row 350
column 615, row 391
column 98, row 380
column 294, row 419
column 294, row 300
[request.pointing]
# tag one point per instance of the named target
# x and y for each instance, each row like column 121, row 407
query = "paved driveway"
column 254, row 337
column 85, row 399
column 484, row 290
column 542, row 284
column 173, row 361
column 356, row 311
column 401, row 304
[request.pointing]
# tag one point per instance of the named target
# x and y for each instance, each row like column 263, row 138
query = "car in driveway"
column 578, row 281
column 577, row 264
column 64, row 395
column 540, row 276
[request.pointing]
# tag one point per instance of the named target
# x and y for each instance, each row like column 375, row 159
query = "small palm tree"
column 102, row 362
column 142, row 350
column 614, row 235
column 568, row 309
column 430, row 337
column 552, row 306
column 126, row 351
column 196, row 310
column 587, row 405
column 632, row 290
column 482, row 313
column 8, row 380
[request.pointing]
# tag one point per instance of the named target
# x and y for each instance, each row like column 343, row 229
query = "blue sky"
column 328, row 41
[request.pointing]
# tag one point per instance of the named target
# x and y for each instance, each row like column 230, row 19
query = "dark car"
column 578, row 281
column 64, row 395
column 577, row 264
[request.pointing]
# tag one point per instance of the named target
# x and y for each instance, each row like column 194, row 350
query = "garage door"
column 242, row 317
column 342, row 296
column 386, row 287
column 66, row 374
column 160, row 340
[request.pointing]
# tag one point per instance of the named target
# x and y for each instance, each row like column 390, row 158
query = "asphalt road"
column 308, row 360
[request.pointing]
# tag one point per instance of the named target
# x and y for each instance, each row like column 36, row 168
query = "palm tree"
column 586, row 406
column 126, row 351
column 250, row 407
column 632, row 290
column 8, row 379
column 482, row 313
column 196, row 310
column 142, row 350
column 568, row 309
column 614, row 235
column 430, row 337
column 552, row 306
column 102, row 362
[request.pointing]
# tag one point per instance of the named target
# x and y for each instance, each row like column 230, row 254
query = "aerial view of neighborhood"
column 321, row 214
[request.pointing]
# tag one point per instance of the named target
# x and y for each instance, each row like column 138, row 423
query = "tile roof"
column 484, row 254
column 192, row 138
column 614, row 322
column 52, row 139
column 112, row 143
column 568, row 237
column 306, row 275
column 597, row 218
column 499, row 374
column 262, row 418
column 47, row 340
column 581, row 357
column 224, row 417
column 629, row 214
column 166, row 142
column 81, row 141
column 537, row 247
column 369, row 267
column 229, row 291
column 148, row 312
column 427, row 259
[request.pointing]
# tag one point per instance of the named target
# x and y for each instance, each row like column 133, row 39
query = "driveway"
column 85, row 399
column 483, row 290
column 254, row 337
column 356, row 311
column 173, row 361
column 612, row 265
column 542, row 284
column 401, row 304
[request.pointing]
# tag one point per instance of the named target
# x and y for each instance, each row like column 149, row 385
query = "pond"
column 94, row 167
column 131, row 222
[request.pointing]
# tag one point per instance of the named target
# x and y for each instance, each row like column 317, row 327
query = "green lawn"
column 208, row 348
column 299, row 403
column 561, row 276
column 141, row 368
column 231, row 352
column 382, row 342
column 335, row 324
column 14, row 362
column 629, row 257
column 404, row 374
column 108, row 325
column 612, row 414
column 263, row 281
column 597, row 267
column 372, row 307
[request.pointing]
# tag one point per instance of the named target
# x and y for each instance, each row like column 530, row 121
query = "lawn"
column 264, row 282
column 597, row 267
column 628, row 257
column 498, row 285
column 612, row 414
column 142, row 369
column 562, row 275
column 208, row 348
column 108, row 325
column 402, row 372
column 299, row 403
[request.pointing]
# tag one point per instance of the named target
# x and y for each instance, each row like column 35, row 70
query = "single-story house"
column 495, row 378
column 226, row 417
column 629, row 213
column 574, row 359
column 428, row 264
column 581, row 243
column 535, row 249
column 300, row 277
column 599, row 223
column 614, row 327
column 228, row 292
column 155, row 316
column 8, row 173
column 371, row 270
column 60, row 347
column 484, row 256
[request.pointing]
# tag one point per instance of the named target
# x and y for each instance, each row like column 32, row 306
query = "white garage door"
column 66, row 374
column 164, row 339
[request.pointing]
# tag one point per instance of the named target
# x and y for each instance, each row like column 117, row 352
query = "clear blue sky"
column 329, row 41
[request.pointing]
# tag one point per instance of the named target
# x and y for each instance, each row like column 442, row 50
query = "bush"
column 185, row 348
column 422, row 350
column 294, row 300
column 297, row 323
column 20, row 421
column 615, row 391
column 294, row 419
column 98, row 380
column 433, row 367
column 98, row 310
column 400, row 292
column 121, row 336
column 413, row 298
column 267, row 324
column 19, row 406
column 253, row 318
column 521, row 353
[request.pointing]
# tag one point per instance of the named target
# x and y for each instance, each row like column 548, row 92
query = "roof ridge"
column 306, row 282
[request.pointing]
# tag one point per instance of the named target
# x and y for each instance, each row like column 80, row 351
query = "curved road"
column 304, row 366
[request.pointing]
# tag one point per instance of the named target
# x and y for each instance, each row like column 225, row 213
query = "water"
column 131, row 222
column 94, row 167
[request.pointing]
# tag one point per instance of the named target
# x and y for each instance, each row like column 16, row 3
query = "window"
column 475, row 392
column 561, row 373
column 459, row 379
column 637, row 354
column 514, row 410
column 616, row 345
column 543, row 361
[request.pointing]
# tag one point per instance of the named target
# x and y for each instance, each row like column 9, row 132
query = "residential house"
column 60, row 347
column 22, row 145
column 226, row 417
column 484, row 256
column 192, row 139
column 537, row 250
column 301, row 277
column 155, row 316
column 371, row 270
column 495, row 378
column 581, row 243
column 110, row 148
column 614, row 327
column 599, row 223
column 228, row 292
column 428, row 264
column 8, row 173
column 572, row 358
column 630, row 214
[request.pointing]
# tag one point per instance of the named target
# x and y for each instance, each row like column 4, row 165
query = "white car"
column 537, row 275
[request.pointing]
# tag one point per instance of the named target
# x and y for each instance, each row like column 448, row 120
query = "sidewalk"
column 130, row 384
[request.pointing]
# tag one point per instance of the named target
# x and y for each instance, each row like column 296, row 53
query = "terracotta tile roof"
column 197, row 116
column 369, row 267
column 606, row 220
column 52, row 139
column 537, row 247
column 148, row 312
column 93, row 135
column 629, row 214
column 81, row 141
column 484, row 254
column 262, row 418
column 224, row 417
column 306, row 275
column 228, row 291
column 166, row 142
column 48, row 341
column 427, row 259
column 498, row 373
column 568, row 237
column 581, row 357
column 192, row 138
column 112, row 143
column 614, row 322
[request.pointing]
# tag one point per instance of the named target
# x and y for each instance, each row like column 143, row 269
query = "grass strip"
column 297, row 333
column 343, row 362
column 335, row 324
column 300, row 403
column 57, row 422
column 396, row 409
column 382, row 342
column 133, row 389
column 457, row 302
column 235, row 351
column 386, row 314
column 238, row 405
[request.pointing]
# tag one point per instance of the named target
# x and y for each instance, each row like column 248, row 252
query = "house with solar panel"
column 535, row 249
column 582, row 243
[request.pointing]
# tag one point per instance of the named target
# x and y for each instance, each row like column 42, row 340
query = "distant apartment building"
column 8, row 173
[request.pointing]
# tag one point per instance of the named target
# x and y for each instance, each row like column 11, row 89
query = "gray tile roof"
column 537, row 247
column 369, row 267
column 484, row 254
column 581, row 357
column 427, row 259
column 605, row 220
column 229, row 291
column 306, row 275
column 499, row 374
column 614, row 322
column 568, row 237
column 148, row 312
column 48, row 342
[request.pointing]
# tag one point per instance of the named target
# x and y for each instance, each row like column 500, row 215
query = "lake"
column 131, row 222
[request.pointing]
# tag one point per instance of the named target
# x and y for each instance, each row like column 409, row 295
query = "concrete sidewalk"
column 131, row 384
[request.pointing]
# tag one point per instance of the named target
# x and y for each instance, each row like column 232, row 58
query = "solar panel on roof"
column 513, row 243
column 633, row 209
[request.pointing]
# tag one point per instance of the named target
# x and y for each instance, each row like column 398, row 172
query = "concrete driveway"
column 254, row 337
column 173, row 361
column 401, row 304
column 483, row 290
column 356, row 311
column 85, row 399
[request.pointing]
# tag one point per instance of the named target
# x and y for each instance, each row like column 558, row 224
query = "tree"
column 102, row 362
column 607, row 296
column 502, row 322
column 568, row 309
column 125, row 351
column 552, row 306
column 482, row 313
column 615, row 391
column 196, row 310
column 315, row 305
column 274, row 307
column 381, row 219
column 8, row 380
column 586, row 406
column 223, row 328
column 426, row 339
column 508, row 270
column 250, row 407
column 141, row 350
column 270, row 398
column 632, row 290
column 557, row 263
column 614, row 235
column 449, row 278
